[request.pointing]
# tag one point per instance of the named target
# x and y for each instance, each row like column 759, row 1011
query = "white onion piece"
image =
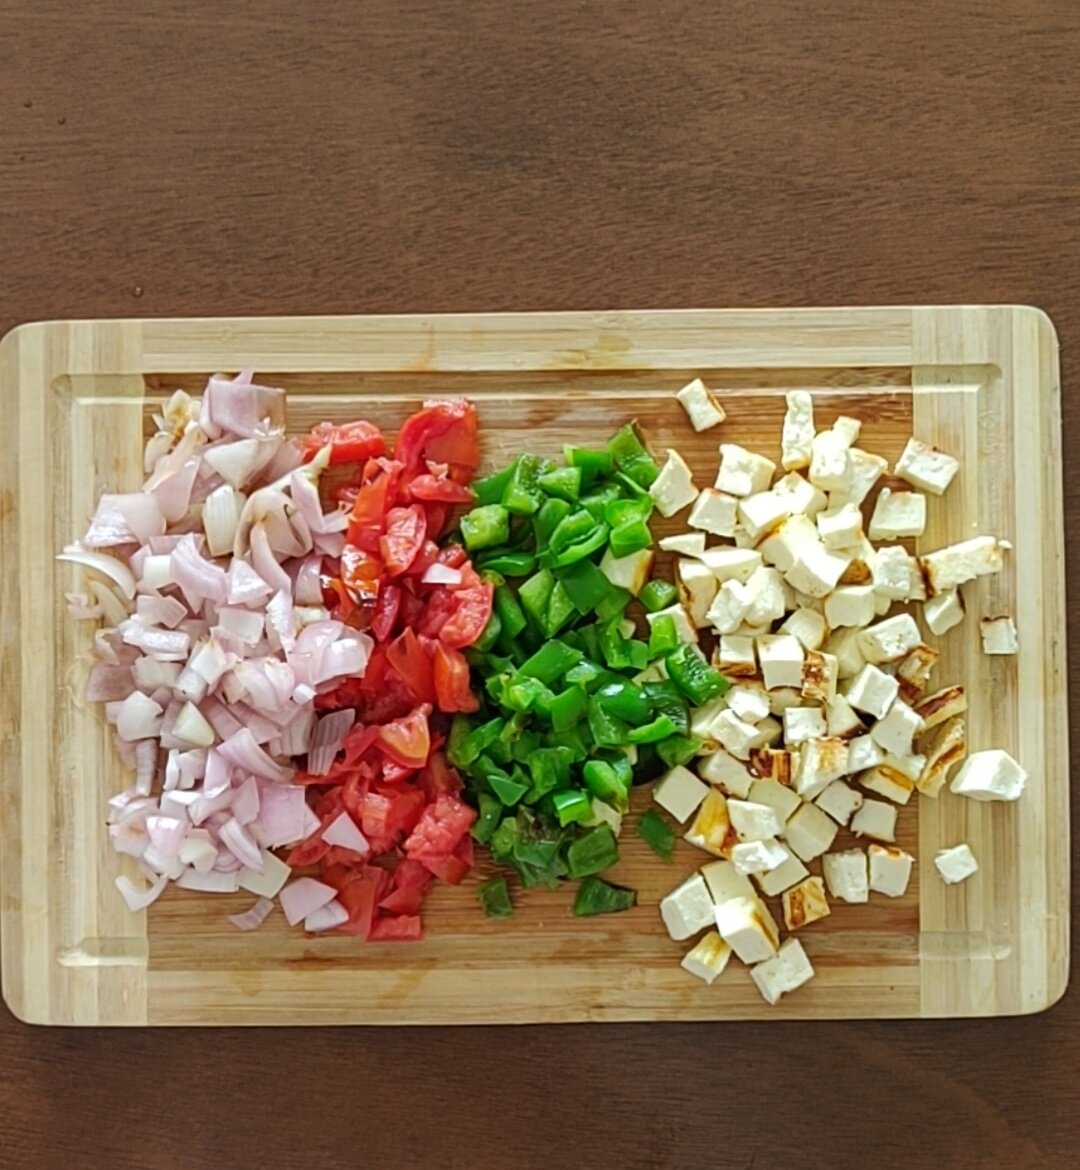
column 437, row 574
column 241, row 844
column 149, row 673
column 197, row 577
column 156, row 571
column 155, row 862
column 146, row 762
column 160, row 611
column 129, row 837
column 219, row 718
column 281, row 819
column 266, row 564
column 198, row 850
column 214, row 882
column 138, row 899
column 330, row 544
column 348, row 656
column 242, row 408
column 254, row 918
column 108, row 566
column 243, row 752
column 80, row 607
column 143, row 515
column 166, row 833
column 281, row 620
column 109, row 526
column 235, row 462
column 220, row 516
column 330, row 734
column 245, row 586
column 106, row 684
column 173, row 492
column 113, row 609
column 139, row 717
column 303, row 897
column 244, row 624
column 308, row 589
column 245, row 801
column 326, row 917
column 343, row 831
column 192, row 728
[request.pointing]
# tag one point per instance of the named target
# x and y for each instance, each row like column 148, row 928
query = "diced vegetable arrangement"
column 338, row 666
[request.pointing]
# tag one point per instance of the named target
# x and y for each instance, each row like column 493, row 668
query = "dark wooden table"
column 283, row 157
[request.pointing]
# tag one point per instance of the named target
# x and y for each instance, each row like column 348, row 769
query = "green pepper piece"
column 584, row 674
column 455, row 741
column 630, row 538
column 478, row 741
column 550, row 769
column 534, row 595
column 658, row 595
column 608, row 730
column 592, row 852
column 572, row 805
column 663, row 636
column 613, row 646
column 573, row 527
column 599, row 897
column 490, row 810
column 656, row 833
column 667, row 699
column 524, row 694
column 564, row 483
column 604, row 781
column 547, row 521
column 624, row 699
column 690, row 671
column 583, row 548
column 631, row 457
column 568, row 708
column 550, row 662
column 577, row 741
column 560, row 610
column 627, row 511
column 489, row 490
column 494, row 895
column 511, row 564
column 491, row 633
column 596, row 503
column 637, row 654
column 678, row 749
column 505, row 838
column 660, row 728
column 613, row 605
column 509, row 610
column 507, row 790
column 593, row 465
column 586, row 586
column 485, row 527
column 522, row 494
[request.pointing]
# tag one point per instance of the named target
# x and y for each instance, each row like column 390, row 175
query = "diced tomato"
column 438, row 489
column 438, row 776
column 386, row 611
column 406, row 808
column 451, row 870
column 440, row 608
column 440, row 830
column 413, row 663
column 338, row 876
column 436, row 519
column 362, row 573
column 358, row 898
column 374, row 499
column 337, row 598
column 443, row 432
column 451, row 675
column 406, row 529
column 311, row 850
column 403, row 901
column 408, row 741
column 375, row 821
column 395, row 773
column 453, row 556
column 424, row 559
column 471, row 613
column 349, row 443
column 405, row 928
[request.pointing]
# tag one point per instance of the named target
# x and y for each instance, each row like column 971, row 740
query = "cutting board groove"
column 982, row 382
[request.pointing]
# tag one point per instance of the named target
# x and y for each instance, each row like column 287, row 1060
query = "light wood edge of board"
column 105, row 982
column 987, row 380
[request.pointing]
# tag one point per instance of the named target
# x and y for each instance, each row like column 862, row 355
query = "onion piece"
column 326, row 917
column 192, row 728
column 438, row 574
column 344, row 832
column 139, row 717
column 137, row 899
column 173, row 492
column 245, row 586
column 303, row 897
column 113, row 609
column 107, row 683
column 150, row 673
column 156, row 571
column 197, row 577
column 160, row 611
column 213, row 882
column 146, row 763
column 220, row 516
column 242, row 751
column 241, row 844
column 330, row 734
column 254, row 918
column 198, row 850
column 108, row 566
column 166, row 833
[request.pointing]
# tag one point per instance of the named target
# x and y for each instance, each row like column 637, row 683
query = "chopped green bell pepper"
column 563, row 483
column 572, row 806
column 599, row 897
column 550, row 662
column 485, row 527
column 593, row 465
column 658, row 595
column 569, row 707
column 592, row 852
column 494, row 895
column 656, row 833
column 690, row 671
column 522, row 494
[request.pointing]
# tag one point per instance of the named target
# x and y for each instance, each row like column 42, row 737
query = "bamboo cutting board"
column 982, row 383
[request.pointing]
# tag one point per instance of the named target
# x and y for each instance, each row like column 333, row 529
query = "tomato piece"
column 452, row 870
column 440, row 829
column 395, row 773
column 309, row 851
column 404, row 928
column 406, row 808
column 337, row 599
column 438, row 610
column 436, row 519
column 439, row 776
column 375, row 821
column 471, row 613
column 425, row 558
column 454, row 557
column 386, row 611
column 348, row 442
column 357, row 741
column 451, row 675
column 406, row 529
column 411, row 875
column 359, row 898
column 403, row 901
column 374, row 498
column 443, row 432
column 338, row 876
column 362, row 574
column 407, row 741
column 410, row 660
column 440, row 490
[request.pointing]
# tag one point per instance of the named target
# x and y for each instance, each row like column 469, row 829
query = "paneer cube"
column 752, row 857
column 816, row 570
column 762, row 512
column 890, row 640
column 875, row 818
column 843, row 644
column 748, row 701
column 839, row 800
column 746, row 925
column 841, row 718
column 926, row 467
column 735, row 656
column 944, row 611
column 715, row 512
column 959, row 563
column 947, row 750
column 798, row 432
column 688, row 908
column 708, row 957
column 788, row 873
column 752, row 821
column 830, row 467
column 629, row 572
column 789, row 970
column 809, row 832
column 743, row 472
column 777, row 795
column 725, row 882
column 896, row 574
column 729, row 607
column 872, row 691
column 805, row 903
column 890, row 870
column 840, row 527
column 689, row 544
column 697, row 588
column 711, row 829
column 864, row 753
column 734, row 734
column 781, row 657
column 898, row 514
column 847, row 875
column 781, row 547
column 802, row 723
column 819, row 676
column 732, row 564
column 897, row 729
column 673, row 489
column 941, row 705
column 803, row 497
column 766, row 589
column 680, row 792
column 887, row 782
column 864, row 470
column 821, row 761
column 701, row 405
column 990, row 775
column 684, row 627
column 956, row 864
column 726, row 772
column 998, row 635
column 808, row 625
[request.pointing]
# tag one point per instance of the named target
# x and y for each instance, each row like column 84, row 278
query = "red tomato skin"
column 406, row 531
column 451, row 679
column 440, row 829
column 349, row 443
column 407, row 741
column 412, row 661
column 405, row 928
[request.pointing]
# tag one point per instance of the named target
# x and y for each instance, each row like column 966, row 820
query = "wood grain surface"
column 261, row 158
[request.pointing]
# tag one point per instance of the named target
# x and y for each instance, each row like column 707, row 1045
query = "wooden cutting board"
column 980, row 382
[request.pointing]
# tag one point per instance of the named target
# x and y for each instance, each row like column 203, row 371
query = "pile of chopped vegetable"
column 573, row 704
